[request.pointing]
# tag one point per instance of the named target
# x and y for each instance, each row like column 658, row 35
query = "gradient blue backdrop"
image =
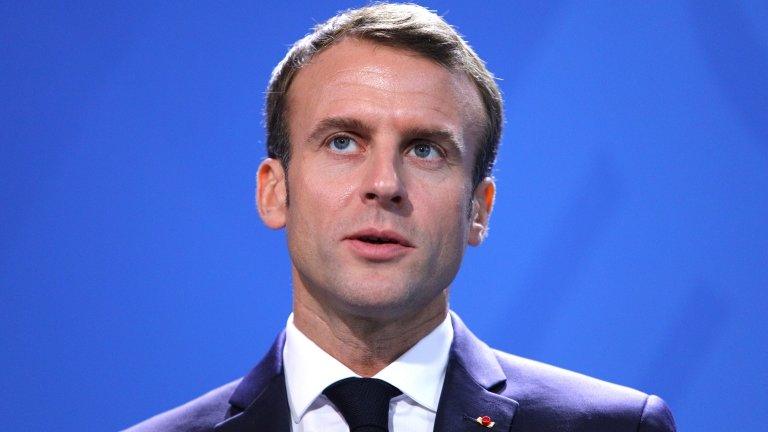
column 629, row 239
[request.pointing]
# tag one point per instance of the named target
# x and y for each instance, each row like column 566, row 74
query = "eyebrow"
column 360, row 127
column 438, row 135
column 337, row 123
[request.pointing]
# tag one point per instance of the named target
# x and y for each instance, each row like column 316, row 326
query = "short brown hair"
column 405, row 26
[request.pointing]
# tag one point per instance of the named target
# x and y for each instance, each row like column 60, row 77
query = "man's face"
column 381, row 204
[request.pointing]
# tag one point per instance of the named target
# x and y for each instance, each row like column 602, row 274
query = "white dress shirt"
column 419, row 374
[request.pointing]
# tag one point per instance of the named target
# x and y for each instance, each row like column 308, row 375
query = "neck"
column 364, row 344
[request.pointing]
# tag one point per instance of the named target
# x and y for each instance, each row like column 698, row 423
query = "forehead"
column 360, row 78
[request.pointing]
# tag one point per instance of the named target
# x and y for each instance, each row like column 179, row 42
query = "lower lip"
column 377, row 252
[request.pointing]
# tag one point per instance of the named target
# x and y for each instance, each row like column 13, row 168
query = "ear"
column 482, row 204
column 271, row 193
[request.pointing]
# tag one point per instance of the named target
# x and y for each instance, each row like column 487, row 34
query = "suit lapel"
column 260, row 402
column 471, row 379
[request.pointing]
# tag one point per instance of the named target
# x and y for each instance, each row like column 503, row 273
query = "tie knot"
column 363, row 402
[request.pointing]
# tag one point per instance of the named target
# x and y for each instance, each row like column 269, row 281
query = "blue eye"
column 425, row 151
column 343, row 144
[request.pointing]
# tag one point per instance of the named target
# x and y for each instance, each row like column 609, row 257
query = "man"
column 383, row 126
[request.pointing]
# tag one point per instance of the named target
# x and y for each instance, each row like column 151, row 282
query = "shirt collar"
column 419, row 373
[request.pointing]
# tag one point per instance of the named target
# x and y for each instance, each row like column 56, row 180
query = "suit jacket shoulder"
column 552, row 398
column 199, row 415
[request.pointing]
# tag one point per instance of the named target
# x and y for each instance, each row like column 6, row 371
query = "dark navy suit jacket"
column 518, row 394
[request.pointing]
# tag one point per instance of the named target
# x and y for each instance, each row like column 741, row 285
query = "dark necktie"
column 364, row 402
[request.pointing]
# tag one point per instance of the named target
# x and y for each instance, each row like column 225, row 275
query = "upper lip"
column 384, row 235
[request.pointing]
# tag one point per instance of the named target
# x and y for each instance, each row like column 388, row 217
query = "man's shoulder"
column 547, row 392
column 198, row 415
column 531, row 379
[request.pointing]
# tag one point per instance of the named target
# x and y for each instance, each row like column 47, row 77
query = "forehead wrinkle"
column 384, row 86
column 381, row 77
column 344, row 92
column 373, row 76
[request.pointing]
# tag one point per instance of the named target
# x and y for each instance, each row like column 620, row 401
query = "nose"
column 382, row 183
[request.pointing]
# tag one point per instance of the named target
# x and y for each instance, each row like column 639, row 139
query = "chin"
column 388, row 302
column 378, row 301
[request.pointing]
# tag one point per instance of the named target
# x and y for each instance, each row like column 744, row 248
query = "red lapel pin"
column 485, row 421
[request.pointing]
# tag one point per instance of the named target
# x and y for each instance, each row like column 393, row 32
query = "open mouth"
column 380, row 237
column 377, row 240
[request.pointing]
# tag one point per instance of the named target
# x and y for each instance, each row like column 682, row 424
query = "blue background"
column 629, row 240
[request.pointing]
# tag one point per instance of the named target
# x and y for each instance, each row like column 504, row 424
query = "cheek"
column 459, row 221
column 317, row 201
column 445, row 217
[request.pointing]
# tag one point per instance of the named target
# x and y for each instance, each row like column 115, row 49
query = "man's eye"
column 425, row 151
column 343, row 144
